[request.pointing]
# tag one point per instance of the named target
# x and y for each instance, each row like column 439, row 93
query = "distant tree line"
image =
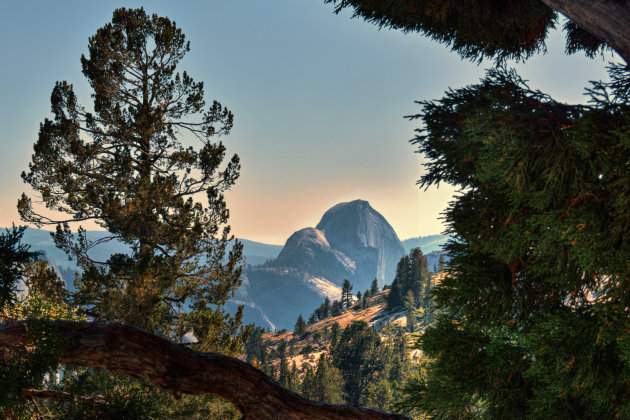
column 360, row 368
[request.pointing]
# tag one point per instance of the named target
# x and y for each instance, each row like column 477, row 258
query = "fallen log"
column 131, row 351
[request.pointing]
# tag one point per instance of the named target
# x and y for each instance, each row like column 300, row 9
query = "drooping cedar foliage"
column 534, row 308
column 477, row 29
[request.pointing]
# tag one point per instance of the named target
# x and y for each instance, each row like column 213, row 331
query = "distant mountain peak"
column 365, row 236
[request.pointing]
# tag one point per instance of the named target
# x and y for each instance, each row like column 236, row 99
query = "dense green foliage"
column 354, row 356
column 534, row 305
column 475, row 29
column 13, row 257
column 123, row 166
column 412, row 275
column 34, row 292
column 323, row 384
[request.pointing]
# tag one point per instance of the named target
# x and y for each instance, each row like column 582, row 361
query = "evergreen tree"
column 410, row 309
column 355, row 355
column 14, row 255
column 336, row 308
column 325, row 384
column 294, row 380
column 412, row 274
column 374, row 287
column 365, row 301
column 21, row 369
column 346, row 294
column 300, row 327
column 119, row 164
column 534, row 300
column 312, row 319
column 284, row 373
column 123, row 167
column 254, row 347
column 323, row 311
column 377, row 394
column 335, row 331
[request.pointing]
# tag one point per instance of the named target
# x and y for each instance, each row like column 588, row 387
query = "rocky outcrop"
column 363, row 234
column 352, row 241
column 308, row 250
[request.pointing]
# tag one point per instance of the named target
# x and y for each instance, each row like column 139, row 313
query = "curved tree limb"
column 608, row 20
column 131, row 351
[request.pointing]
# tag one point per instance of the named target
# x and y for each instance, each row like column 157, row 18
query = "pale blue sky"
column 318, row 99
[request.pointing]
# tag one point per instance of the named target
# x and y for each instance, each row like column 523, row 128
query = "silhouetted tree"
column 374, row 287
column 346, row 294
column 120, row 164
column 300, row 327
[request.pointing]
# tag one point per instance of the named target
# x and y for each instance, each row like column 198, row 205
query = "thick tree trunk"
column 609, row 20
column 156, row 361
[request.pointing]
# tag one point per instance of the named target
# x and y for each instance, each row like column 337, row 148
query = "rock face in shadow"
column 308, row 250
column 363, row 234
column 352, row 241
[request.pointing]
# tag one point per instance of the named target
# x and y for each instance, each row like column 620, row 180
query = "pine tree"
column 346, row 294
column 20, row 369
column 284, row 373
column 323, row 311
column 410, row 309
column 374, row 287
column 300, row 327
column 325, row 384
column 254, row 347
column 294, row 380
column 123, row 167
column 119, row 163
column 335, row 332
column 441, row 263
column 365, row 301
column 14, row 255
column 336, row 308
column 355, row 355
column 412, row 274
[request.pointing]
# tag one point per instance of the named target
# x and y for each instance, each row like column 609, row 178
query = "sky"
column 319, row 101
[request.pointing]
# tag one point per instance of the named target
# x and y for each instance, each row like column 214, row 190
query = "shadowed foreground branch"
column 156, row 361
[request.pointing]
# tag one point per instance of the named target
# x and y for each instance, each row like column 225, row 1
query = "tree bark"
column 156, row 361
column 609, row 20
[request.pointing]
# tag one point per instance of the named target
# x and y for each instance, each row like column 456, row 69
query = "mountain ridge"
column 351, row 241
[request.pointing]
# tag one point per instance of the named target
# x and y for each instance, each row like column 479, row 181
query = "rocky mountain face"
column 352, row 241
column 363, row 234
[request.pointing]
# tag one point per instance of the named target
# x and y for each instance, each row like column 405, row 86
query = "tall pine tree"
column 121, row 165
